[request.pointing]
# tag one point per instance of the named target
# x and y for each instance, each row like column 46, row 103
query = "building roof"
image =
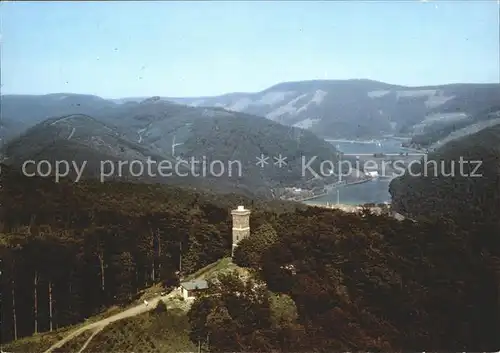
column 195, row 284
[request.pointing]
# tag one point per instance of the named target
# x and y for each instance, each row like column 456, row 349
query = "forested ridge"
column 219, row 148
column 355, row 282
column 441, row 130
column 338, row 281
column 371, row 283
column 441, row 187
column 70, row 250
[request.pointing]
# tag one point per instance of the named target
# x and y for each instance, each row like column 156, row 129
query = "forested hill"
column 440, row 132
column 94, row 244
column 224, row 147
column 355, row 281
column 356, row 108
column 470, row 196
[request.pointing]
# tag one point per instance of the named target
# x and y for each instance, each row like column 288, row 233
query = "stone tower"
column 241, row 225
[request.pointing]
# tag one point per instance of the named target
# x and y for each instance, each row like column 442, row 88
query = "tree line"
column 356, row 282
column 69, row 250
column 323, row 280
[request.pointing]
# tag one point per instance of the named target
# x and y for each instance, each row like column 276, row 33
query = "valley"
column 353, row 109
column 382, row 160
column 80, row 245
column 315, row 176
column 109, row 215
column 215, row 130
column 184, row 140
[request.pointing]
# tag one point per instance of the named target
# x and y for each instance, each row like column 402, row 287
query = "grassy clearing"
column 75, row 344
column 146, row 333
column 150, row 292
column 224, row 265
column 39, row 343
column 203, row 271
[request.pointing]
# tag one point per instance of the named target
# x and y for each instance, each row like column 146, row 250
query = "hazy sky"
column 119, row 49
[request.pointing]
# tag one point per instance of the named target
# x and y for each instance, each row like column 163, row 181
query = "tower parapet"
column 241, row 225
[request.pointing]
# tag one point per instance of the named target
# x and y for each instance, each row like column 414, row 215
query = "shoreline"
column 376, row 141
column 352, row 141
column 376, row 209
column 359, row 181
column 330, row 204
column 327, row 193
column 367, row 140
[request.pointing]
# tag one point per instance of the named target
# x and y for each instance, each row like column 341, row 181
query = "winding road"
column 98, row 326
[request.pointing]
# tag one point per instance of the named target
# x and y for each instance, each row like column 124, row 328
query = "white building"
column 372, row 174
column 191, row 289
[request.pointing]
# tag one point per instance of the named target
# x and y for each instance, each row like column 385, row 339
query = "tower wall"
column 241, row 225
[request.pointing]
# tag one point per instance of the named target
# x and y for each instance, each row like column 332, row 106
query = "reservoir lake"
column 373, row 191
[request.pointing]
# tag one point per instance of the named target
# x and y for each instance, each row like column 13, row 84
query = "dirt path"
column 90, row 339
column 100, row 325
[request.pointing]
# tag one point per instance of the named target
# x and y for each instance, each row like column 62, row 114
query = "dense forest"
column 219, row 148
column 355, row 282
column 440, row 130
column 372, row 283
column 322, row 281
column 440, row 186
column 70, row 250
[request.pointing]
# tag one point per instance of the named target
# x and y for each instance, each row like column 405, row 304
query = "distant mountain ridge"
column 357, row 108
column 20, row 112
column 354, row 109
column 184, row 137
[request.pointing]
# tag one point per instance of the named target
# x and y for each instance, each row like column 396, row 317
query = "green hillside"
column 214, row 149
column 96, row 245
column 470, row 195
column 380, row 283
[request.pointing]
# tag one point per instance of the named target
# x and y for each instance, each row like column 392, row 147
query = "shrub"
column 161, row 307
